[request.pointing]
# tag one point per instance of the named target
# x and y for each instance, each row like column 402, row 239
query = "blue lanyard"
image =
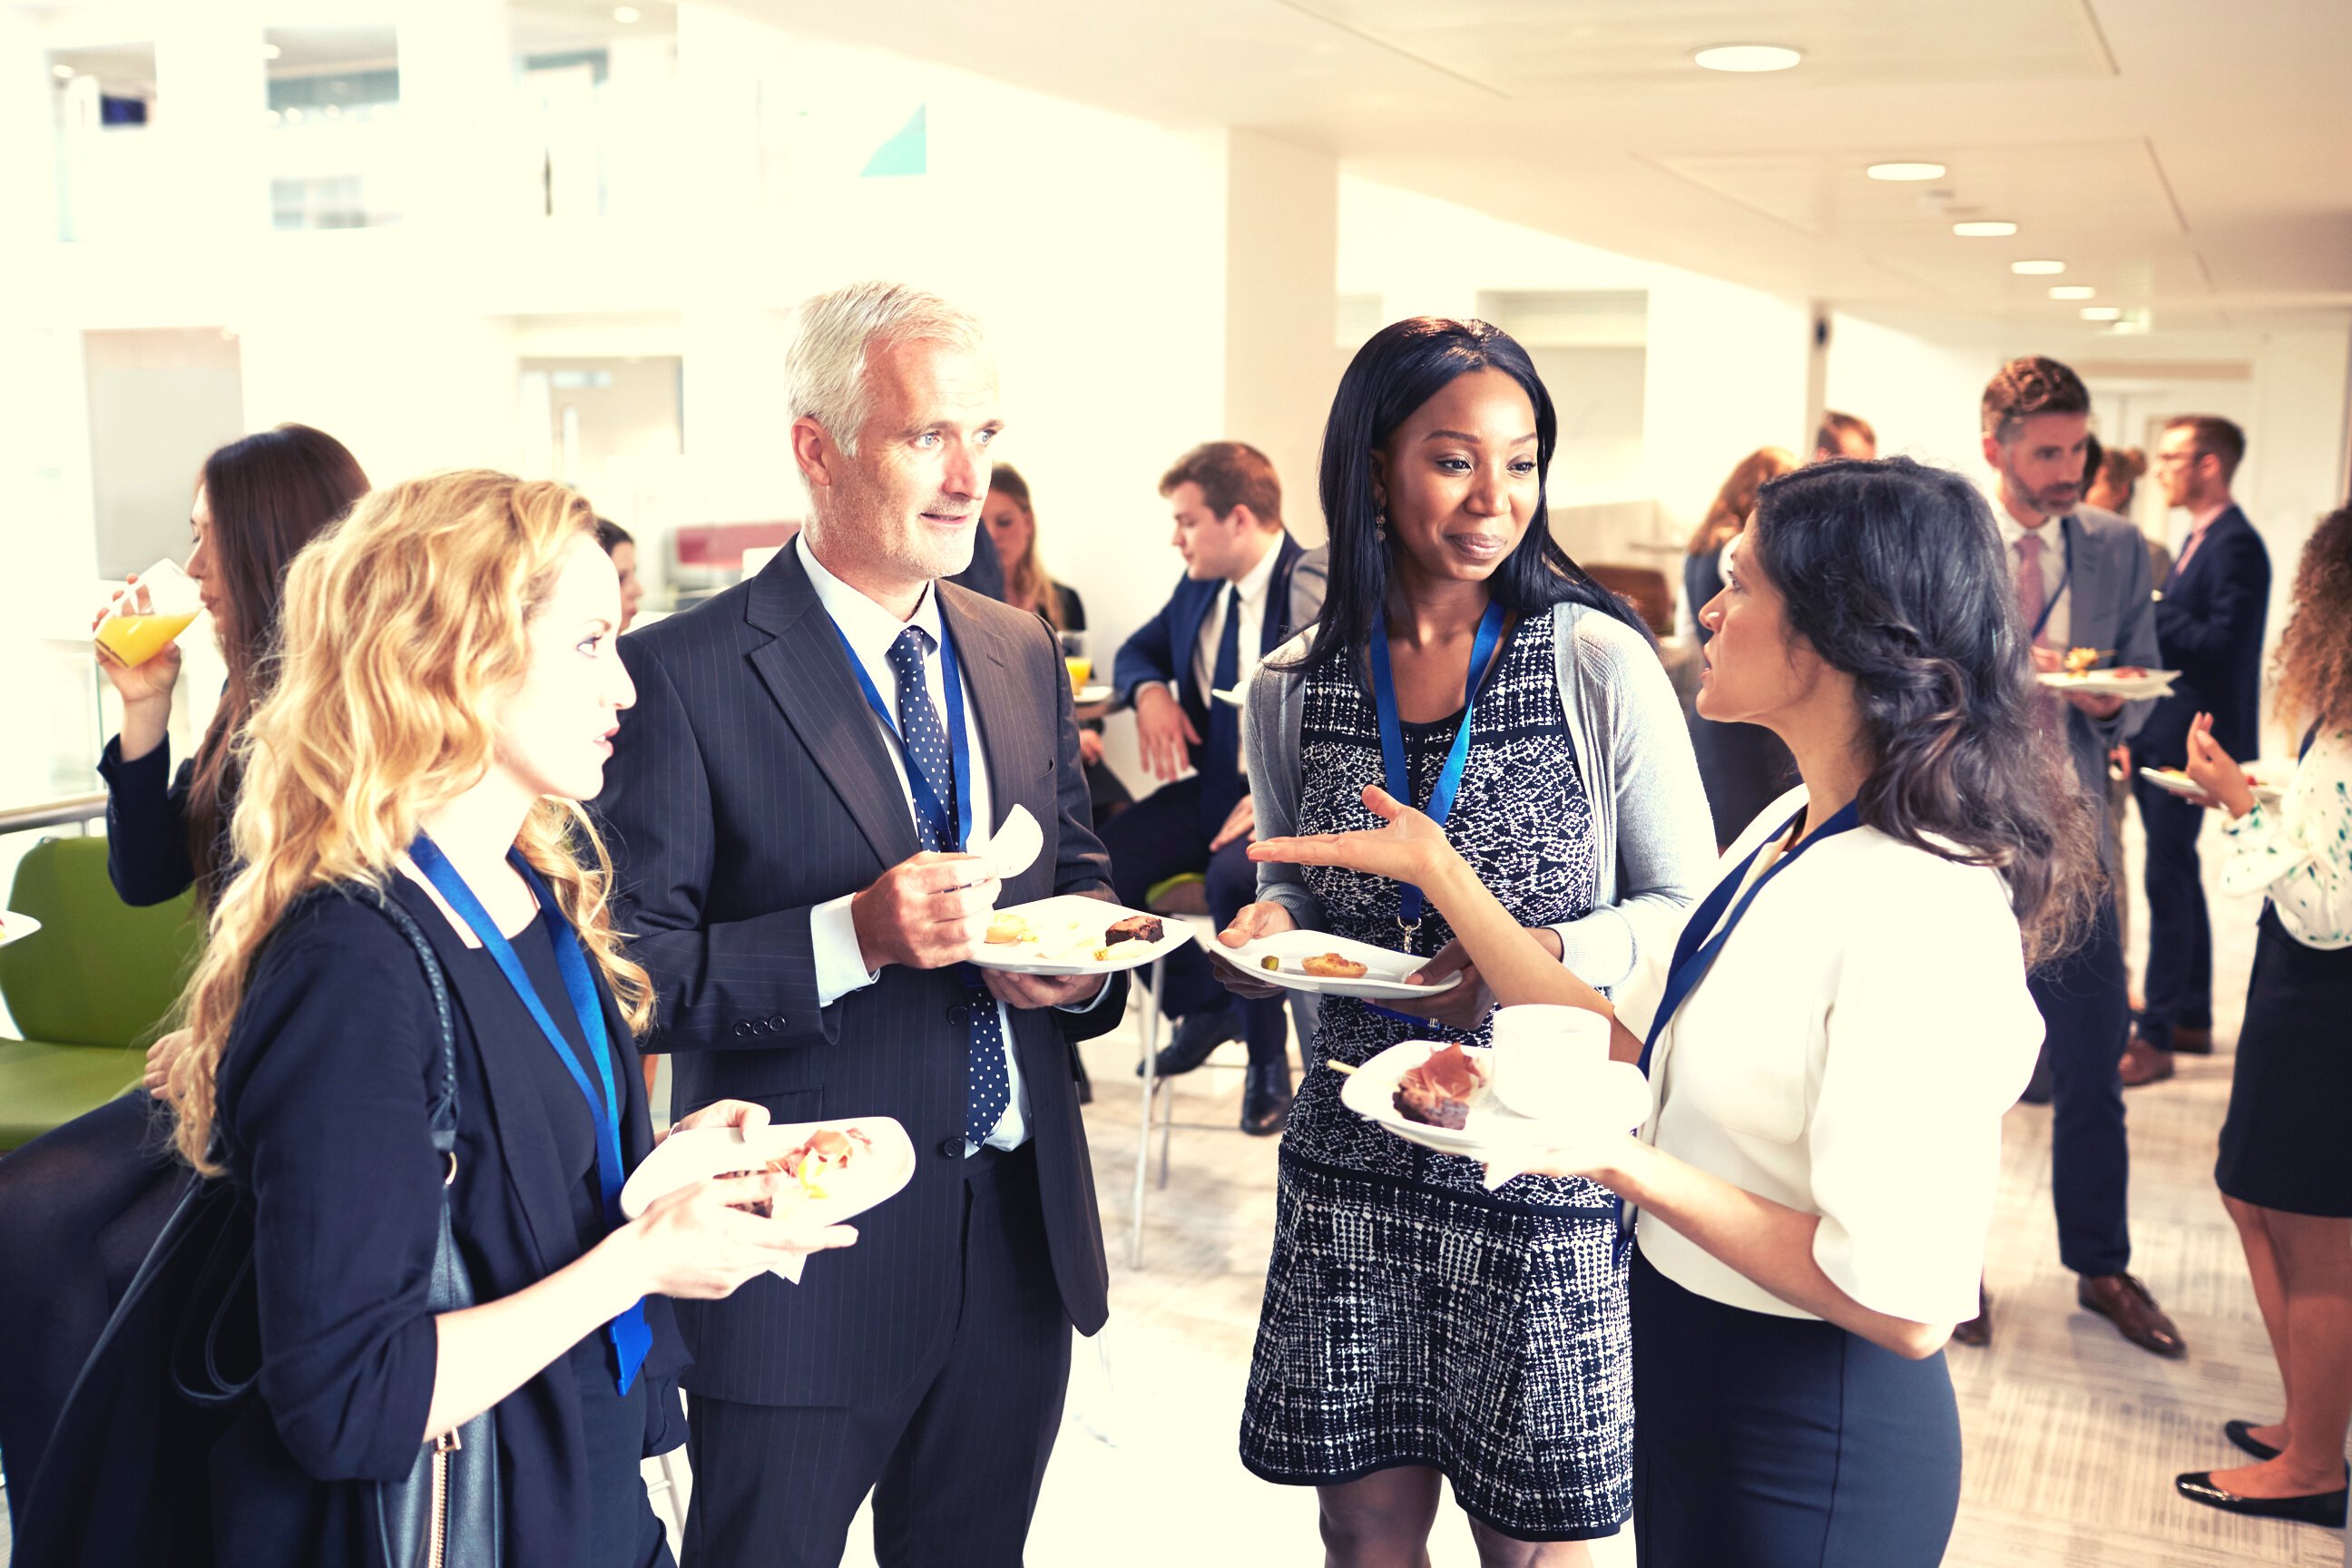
column 958, row 741
column 2066, row 575
column 1695, row 949
column 629, row 1334
column 1392, row 768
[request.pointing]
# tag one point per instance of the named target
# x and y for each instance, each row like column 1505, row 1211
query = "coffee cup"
column 1546, row 1057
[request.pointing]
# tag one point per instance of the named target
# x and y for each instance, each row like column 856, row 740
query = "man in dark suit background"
column 2209, row 622
column 788, row 873
column 1230, row 609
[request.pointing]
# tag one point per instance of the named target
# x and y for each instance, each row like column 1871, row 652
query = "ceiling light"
column 627, row 14
column 1988, row 228
column 271, row 51
column 1746, row 58
column 2103, row 312
column 63, row 73
column 2073, row 292
column 2037, row 268
column 1906, row 171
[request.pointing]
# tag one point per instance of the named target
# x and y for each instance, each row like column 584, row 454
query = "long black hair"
column 1401, row 367
column 1895, row 574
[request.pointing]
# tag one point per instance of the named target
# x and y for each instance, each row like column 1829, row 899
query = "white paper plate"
column 2108, row 683
column 1069, row 933
column 2268, row 788
column 697, row 1153
column 1619, row 1101
column 14, row 927
column 1384, row 970
column 1087, row 696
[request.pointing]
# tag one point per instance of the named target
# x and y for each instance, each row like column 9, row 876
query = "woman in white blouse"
column 1844, row 1024
column 2285, row 1171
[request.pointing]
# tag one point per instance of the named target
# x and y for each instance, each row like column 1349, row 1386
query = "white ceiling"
column 2189, row 158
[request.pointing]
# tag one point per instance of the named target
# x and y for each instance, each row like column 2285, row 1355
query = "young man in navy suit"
column 1229, row 611
column 787, row 807
column 2208, row 621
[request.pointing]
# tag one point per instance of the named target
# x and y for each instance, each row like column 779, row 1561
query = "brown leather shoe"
column 2192, row 1042
column 2144, row 1064
column 1976, row 1332
column 2124, row 1301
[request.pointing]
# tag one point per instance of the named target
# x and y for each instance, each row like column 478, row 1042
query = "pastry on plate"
column 1135, row 927
column 1009, row 928
column 1331, row 966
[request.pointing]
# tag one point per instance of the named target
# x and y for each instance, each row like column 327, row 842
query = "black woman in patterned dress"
column 1416, row 1326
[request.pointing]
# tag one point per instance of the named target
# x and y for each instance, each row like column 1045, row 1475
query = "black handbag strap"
column 215, row 1354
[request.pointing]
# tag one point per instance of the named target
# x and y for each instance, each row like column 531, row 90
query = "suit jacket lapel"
column 1278, row 628
column 1009, row 726
column 805, row 668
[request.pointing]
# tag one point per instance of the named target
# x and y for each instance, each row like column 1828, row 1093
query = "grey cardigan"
column 1654, row 842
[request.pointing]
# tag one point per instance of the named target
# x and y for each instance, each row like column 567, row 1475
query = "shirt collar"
column 2199, row 521
column 1254, row 586
column 2011, row 530
column 870, row 628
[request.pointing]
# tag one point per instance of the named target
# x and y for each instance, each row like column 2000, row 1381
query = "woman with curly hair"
column 1815, row 1185
column 445, row 698
column 1745, row 766
column 2285, row 1171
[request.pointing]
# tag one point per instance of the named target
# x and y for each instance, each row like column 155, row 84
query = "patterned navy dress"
column 1412, row 1317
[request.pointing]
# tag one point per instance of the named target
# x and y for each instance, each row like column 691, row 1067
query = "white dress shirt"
column 1849, row 1055
column 1254, row 586
column 2053, row 575
column 840, row 962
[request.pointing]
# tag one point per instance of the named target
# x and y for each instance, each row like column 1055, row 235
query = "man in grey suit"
column 788, row 807
column 2082, row 582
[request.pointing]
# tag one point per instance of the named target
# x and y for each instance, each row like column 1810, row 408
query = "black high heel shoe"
column 2317, row 1507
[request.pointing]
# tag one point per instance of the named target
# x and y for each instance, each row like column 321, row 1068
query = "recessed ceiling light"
column 63, row 73
column 626, row 14
column 1988, row 228
column 1906, row 171
column 2073, row 292
column 2103, row 312
column 2037, row 268
column 1746, row 58
column 271, row 51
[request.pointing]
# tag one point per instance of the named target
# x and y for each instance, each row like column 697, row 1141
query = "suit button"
column 952, row 1148
column 742, row 1029
column 776, row 1023
column 960, row 1014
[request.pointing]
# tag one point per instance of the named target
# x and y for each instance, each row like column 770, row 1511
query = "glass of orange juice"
column 1074, row 655
column 146, row 620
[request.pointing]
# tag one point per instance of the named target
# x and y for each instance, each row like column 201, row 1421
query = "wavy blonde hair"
column 401, row 626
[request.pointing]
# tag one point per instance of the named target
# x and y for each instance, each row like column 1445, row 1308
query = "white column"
column 458, row 109
column 1282, row 251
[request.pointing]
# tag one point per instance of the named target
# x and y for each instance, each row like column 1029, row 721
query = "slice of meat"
column 1438, row 1092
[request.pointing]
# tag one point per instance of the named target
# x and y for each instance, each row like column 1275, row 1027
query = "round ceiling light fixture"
column 2074, row 291
column 2037, row 268
column 271, row 51
column 2103, row 313
column 625, row 15
column 1906, row 171
column 62, row 72
column 1746, row 58
column 1985, row 228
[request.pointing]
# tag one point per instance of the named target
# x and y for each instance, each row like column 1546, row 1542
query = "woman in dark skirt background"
column 2285, row 1171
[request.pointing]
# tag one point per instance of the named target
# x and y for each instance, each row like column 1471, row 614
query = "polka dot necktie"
column 987, row 1091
